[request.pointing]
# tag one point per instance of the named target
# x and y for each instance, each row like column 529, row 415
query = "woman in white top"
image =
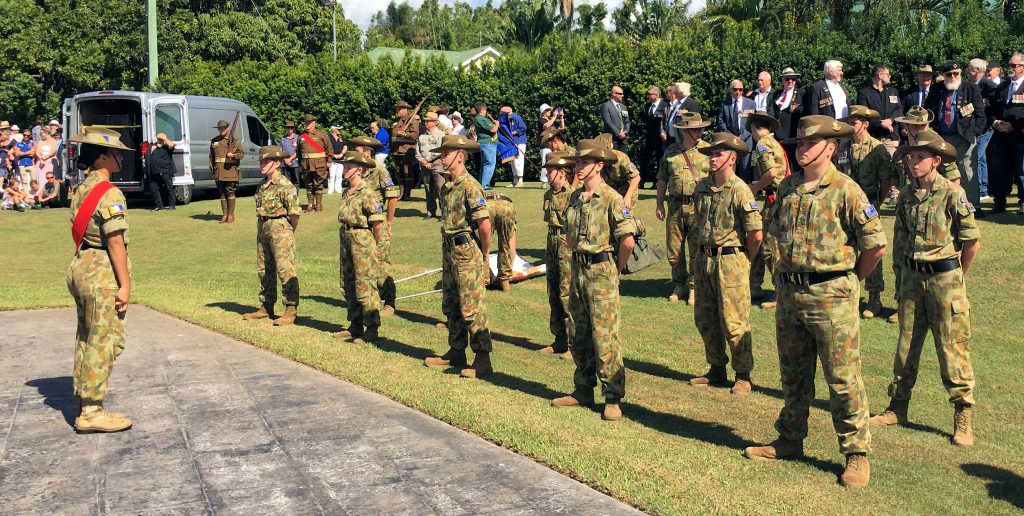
column 46, row 155
column 457, row 127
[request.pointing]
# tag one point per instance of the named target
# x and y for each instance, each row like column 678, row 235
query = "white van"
column 188, row 120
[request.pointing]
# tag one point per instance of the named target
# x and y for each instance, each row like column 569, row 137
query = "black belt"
column 683, row 199
column 936, row 267
column 497, row 197
column 264, row 219
column 460, row 239
column 810, row 278
column 85, row 246
column 720, row 251
column 592, row 259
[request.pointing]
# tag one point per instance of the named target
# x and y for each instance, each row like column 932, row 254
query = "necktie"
column 947, row 111
column 1012, row 89
column 653, row 104
column 920, row 101
column 785, row 94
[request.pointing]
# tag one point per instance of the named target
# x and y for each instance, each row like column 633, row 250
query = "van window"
column 168, row 121
column 257, row 133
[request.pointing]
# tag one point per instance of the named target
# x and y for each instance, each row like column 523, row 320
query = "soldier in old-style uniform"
column 380, row 179
column 557, row 254
column 770, row 166
column 681, row 167
column 99, row 277
column 504, row 227
column 464, row 260
column 727, row 222
column 937, row 239
column 404, row 134
column 312, row 156
column 361, row 215
column 828, row 237
column 599, row 229
column 225, row 153
column 430, row 162
column 277, row 216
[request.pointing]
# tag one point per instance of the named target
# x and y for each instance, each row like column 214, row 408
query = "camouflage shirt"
column 768, row 154
column 674, row 171
column 726, row 214
column 380, row 178
column 555, row 203
column 934, row 225
column 596, row 225
column 277, row 197
column 462, row 205
column 867, row 163
column 620, row 174
column 360, row 207
column 111, row 213
column 824, row 229
column 947, row 170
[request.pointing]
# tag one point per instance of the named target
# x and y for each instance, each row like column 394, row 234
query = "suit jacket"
column 887, row 103
column 788, row 117
column 613, row 123
column 988, row 90
column 729, row 122
column 690, row 105
column 910, row 97
column 1011, row 111
column 970, row 109
column 818, row 100
column 654, row 121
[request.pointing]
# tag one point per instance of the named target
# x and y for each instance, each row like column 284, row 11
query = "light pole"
column 154, row 66
column 334, row 24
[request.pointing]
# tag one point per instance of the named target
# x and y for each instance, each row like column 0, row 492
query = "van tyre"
column 183, row 193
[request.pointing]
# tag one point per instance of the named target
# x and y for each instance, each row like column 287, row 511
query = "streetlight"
column 334, row 23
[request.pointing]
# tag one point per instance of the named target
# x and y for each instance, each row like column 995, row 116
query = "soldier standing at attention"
column 553, row 139
column 429, row 162
column 681, row 167
column 599, row 230
column 277, row 217
column 465, row 274
column 728, row 226
column 380, row 179
column 99, row 277
column 404, row 133
column 504, row 228
column 828, row 237
column 361, row 215
column 937, row 238
column 225, row 154
column 312, row 156
column 557, row 254
column 770, row 166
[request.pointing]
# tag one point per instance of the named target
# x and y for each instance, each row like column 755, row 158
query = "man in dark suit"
column 1007, row 107
column 785, row 104
column 880, row 96
column 959, row 119
column 976, row 69
column 679, row 101
column 732, row 118
column 616, row 119
column 918, row 94
column 654, row 145
column 828, row 96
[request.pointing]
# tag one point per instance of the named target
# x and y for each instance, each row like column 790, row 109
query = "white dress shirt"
column 839, row 101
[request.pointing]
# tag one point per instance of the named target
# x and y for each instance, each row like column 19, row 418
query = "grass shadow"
column 231, row 306
column 918, row 427
column 208, row 216
column 646, row 288
column 417, row 318
column 58, row 393
column 514, row 383
column 534, row 256
column 522, row 342
column 337, row 303
column 385, row 344
column 317, row 324
column 1003, row 484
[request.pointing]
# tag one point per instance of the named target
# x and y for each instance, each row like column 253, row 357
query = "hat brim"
column 912, row 121
column 798, row 139
column 605, row 155
column 701, row 125
column 873, row 118
column 707, row 151
column 948, row 155
column 773, row 124
column 445, row 148
column 91, row 141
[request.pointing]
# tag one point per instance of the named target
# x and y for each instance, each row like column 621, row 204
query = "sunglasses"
column 952, row 74
column 737, row 89
column 1016, row 65
column 784, row 79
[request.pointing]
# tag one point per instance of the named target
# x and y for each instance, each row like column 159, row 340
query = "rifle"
column 412, row 115
column 234, row 126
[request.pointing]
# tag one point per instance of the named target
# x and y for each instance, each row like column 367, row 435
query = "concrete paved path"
column 222, row 427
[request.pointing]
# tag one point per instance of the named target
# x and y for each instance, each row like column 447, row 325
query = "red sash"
column 86, row 210
column 307, row 139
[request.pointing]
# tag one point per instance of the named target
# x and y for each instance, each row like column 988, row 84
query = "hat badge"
column 942, row 146
column 835, row 126
column 802, row 132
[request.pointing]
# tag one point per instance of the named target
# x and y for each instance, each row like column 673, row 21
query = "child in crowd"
column 14, row 197
column 33, row 194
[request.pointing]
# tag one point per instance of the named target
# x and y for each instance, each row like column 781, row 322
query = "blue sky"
column 360, row 11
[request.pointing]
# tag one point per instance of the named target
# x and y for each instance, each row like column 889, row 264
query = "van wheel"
column 183, row 194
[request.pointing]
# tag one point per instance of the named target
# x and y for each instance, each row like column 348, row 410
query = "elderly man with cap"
column 404, row 134
column 828, row 237
column 959, row 118
column 290, row 144
column 312, row 156
column 225, row 154
column 430, row 162
column 557, row 254
column 917, row 95
column 788, row 110
column 466, row 240
column 678, row 173
column 277, row 217
column 728, row 227
column 769, row 166
column 937, row 256
column 1008, row 135
column 99, row 277
column 882, row 97
column 380, row 179
column 599, row 229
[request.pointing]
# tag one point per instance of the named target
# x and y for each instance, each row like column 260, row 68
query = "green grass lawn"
column 678, row 448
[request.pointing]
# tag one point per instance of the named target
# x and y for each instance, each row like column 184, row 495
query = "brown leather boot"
column 506, row 286
column 894, row 414
column 566, row 356
column 288, row 318
column 231, row 211
column 369, row 335
column 756, row 292
column 353, row 330
column 776, row 450
column 768, row 304
column 677, row 293
column 387, row 311
column 874, row 306
column 262, row 313
column 742, row 384
column 692, row 299
column 857, row 472
column 715, row 376
column 441, row 325
column 560, row 343
column 578, row 398
column 453, row 358
column 94, row 418
column 481, row 366
column 223, row 210
column 319, row 202
column 893, row 319
column 612, row 410
column 963, row 426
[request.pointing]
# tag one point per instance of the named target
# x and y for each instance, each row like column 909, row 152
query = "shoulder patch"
column 625, row 210
column 762, row 149
column 293, row 191
column 380, row 207
column 115, row 209
column 870, row 211
column 754, row 205
column 480, row 201
column 389, row 182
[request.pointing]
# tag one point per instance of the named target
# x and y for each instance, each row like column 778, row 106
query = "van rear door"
column 168, row 114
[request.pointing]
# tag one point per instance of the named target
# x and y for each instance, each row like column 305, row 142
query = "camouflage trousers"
column 385, row 281
column 359, row 265
column 463, row 283
column 765, row 258
column 680, row 238
column 935, row 302
column 722, row 312
column 99, row 339
column 503, row 220
column 315, row 181
column 821, row 322
column 558, row 257
column 275, row 259
column 594, row 314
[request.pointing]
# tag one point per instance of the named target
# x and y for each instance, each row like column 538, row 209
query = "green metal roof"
column 454, row 58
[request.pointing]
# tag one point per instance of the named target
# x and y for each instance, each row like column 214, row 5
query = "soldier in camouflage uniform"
column 599, row 229
column 404, row 134
column 277, row 217
column 361, row 215
column 464, row 262
column 430, row 162
column 557, row 254
column 389, row 192
column 553, row 139
column 770, row 166
column 624, row 178
column 312, row 156
column 99, row 278
column 937, row 239
column 867, row 161
column 727, row 223
column 681, row 167
column 503, row 228
column 225, row 153
column 828, row 236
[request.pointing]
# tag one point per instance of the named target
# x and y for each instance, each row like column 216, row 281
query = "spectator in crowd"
column 161, row 172
column 763, row 94
column 995, row 72
column 486, row 128
column 54, row 126
column 513, row 132
column 679, row 101
column 976, row 68
column 289, row 142
column 46, row 155
column 787, row 108
column 615, row 116
column 732, row 119
column 458, row 129
column 828, row 96
column 959, row 119
column 917, row 95
column 379, row 131
column 58, row 136
column 547, row 119
column 6, row 152
column 1008, row 135
column 14, row 197
column 25, row 152
column 49, row 197
column 37, row 127
column 16, row 133
column 32, row 193
column 336, row 174
column 880, row 96
column 654, row 144
column 444, row 122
